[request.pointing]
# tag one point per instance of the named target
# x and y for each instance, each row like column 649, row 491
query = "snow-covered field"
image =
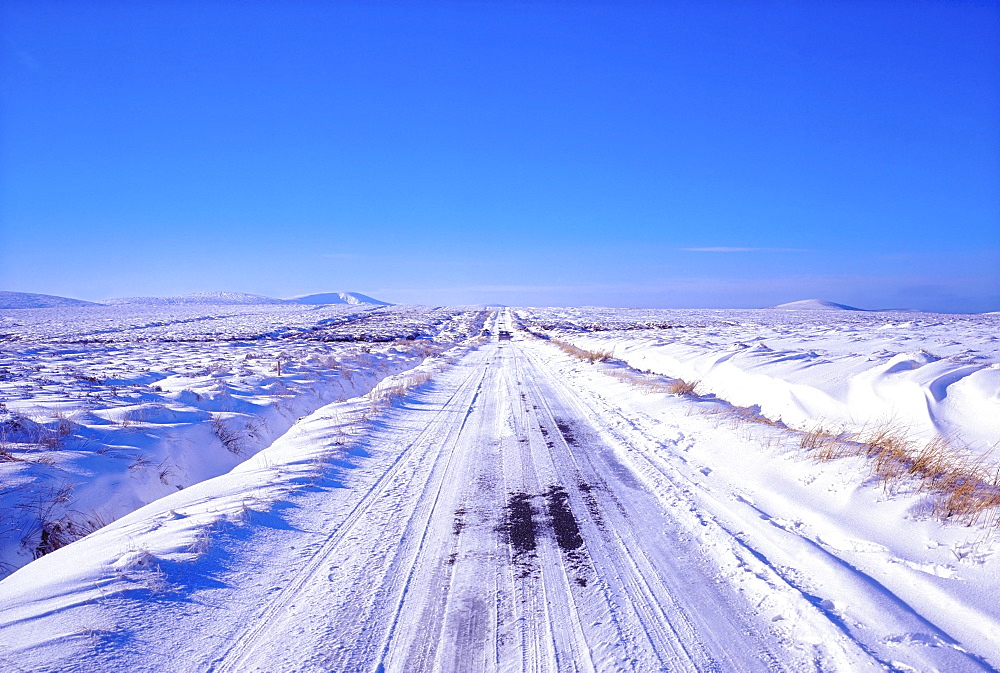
column 380, row 488
column 105, row 409
column 924, row 374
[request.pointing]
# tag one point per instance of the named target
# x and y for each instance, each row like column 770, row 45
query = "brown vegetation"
column 965, row 486
column 580, row 353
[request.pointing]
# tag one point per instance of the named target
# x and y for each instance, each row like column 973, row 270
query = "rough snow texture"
column 105, row 409
column 924, row 374
column 198, row 298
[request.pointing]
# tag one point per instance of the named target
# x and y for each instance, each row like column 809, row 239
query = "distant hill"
column 337, row 298
column 815, row 305
column 31, row 300
column 243, row 298
column 198, row 298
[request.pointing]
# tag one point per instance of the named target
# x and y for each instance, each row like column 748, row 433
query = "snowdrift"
column 924, row 375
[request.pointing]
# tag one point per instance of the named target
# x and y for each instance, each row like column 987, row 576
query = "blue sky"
column 675, row 154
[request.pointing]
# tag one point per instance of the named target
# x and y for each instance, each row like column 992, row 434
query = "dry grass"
column 383, row 396
column 580, row 353
column 232, row 438
column 824, row 444
column 965, row 486
column 650, row 385
column 46, row 428
column 70, row 528
column 682, row 387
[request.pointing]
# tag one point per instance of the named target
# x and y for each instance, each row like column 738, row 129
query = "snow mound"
column 337, row 298
column 816, row 305
column 31, row 300
column 241, row 298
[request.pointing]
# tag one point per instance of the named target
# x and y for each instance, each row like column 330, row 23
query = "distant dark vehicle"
column 504, row 335
column 485, row 332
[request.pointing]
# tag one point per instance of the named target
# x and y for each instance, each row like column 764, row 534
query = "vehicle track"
column 415, row 452
column 503, row 537
column 667, row 639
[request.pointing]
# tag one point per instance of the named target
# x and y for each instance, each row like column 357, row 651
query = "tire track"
column 570, row 649
column 234, row 658
column 618, row 549
column 418, row 644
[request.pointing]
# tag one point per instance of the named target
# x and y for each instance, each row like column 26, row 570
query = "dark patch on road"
column 520, row 527
column 561, row 517
column 567, row 532
column 459, row 523
column 567, row 432
column 587, row 492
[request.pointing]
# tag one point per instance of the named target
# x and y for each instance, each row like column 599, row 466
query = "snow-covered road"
column 506, row 536
column 502, row 518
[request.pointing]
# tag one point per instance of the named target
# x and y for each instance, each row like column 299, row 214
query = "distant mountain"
column 815, row 305
column 337, row 298
column 31, row 300
column 198, row 298
column 242, row 298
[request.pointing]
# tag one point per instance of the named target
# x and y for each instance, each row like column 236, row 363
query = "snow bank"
column 925, row 375
column 130, row 554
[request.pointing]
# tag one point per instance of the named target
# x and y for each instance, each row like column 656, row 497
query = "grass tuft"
column 580, row 353
column 682, row 387
column 964, row 486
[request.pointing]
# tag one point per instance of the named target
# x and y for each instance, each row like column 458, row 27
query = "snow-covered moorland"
column 926, row 375
column 404, row 488
column 105, row 409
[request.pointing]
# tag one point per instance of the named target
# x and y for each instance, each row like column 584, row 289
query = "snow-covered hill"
column 246, row 299
column 32, row 300
column 198, row 298
column 337, row 298
column 816, row 305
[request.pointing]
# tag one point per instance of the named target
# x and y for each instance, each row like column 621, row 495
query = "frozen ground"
column 492, row 504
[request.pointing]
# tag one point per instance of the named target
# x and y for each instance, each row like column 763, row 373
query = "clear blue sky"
column 685, row 154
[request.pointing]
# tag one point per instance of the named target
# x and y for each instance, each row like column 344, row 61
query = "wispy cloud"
column 729, row 249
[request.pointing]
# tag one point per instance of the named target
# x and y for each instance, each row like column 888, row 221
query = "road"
column 505, row 536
